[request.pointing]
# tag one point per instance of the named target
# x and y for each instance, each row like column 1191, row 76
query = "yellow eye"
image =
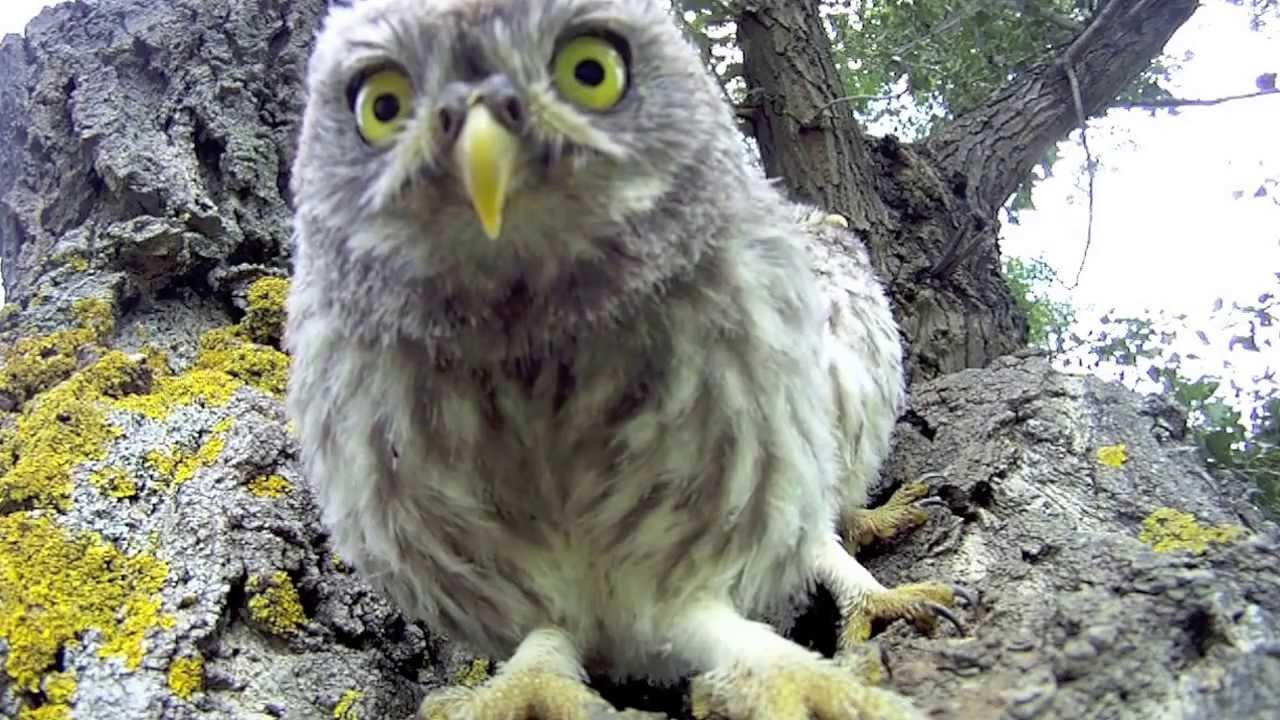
column 590, row 72
column 383, row 103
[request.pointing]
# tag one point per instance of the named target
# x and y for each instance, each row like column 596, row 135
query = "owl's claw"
column 920, row 603
column 903, row 511
column 524, row 694
column 815, row 689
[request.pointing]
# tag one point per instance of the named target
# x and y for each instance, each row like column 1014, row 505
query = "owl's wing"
column 863, row 350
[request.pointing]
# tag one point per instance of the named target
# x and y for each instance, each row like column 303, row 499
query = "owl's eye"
column 382, row 104
column 591, row 72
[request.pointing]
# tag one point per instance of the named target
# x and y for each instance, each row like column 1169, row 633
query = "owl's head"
column 468, row 135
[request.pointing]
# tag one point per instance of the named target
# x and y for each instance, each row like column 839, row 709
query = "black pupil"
column 589, row 72
column 386, row 108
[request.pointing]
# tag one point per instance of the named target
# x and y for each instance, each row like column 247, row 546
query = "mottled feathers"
column 640, row 398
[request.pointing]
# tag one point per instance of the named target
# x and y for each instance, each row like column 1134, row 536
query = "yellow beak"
column 485, row 154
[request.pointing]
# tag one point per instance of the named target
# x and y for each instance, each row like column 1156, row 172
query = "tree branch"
column 1174, row 102
column 996, row 145
column 806, row 135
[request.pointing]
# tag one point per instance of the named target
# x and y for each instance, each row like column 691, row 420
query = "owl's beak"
column 485, row 154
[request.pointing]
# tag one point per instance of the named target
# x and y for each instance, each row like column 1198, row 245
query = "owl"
column 571, row 382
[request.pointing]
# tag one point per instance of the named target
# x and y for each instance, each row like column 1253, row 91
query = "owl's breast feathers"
column 599, row 484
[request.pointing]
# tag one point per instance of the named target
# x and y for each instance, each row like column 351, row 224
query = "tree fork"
column 929, row 211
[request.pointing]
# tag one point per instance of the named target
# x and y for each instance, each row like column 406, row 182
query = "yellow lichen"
column 225, row 361
column 59, row 687
column 114, row 482
column 77, row 262
column 163, row 462
column 34, row 364
column 210, row 388
column 53, row 711
column 264, row 321
column 186, row 676
column 179, row 466
column 269, row 486
column 1113, row 455
column 474, row 674
column 1167, row 530
column 96, row 315
column 55, row 587
column 347, row 707
column 275, row 604
column 59, row 430
column 262, row 367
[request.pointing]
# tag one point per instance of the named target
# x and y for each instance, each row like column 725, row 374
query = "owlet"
column 568, row 385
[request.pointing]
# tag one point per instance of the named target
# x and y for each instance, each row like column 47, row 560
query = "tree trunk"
column 929, row 212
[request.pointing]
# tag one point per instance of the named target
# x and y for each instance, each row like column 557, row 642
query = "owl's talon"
column 817, row 690
column 945, row 613
column 966, row 598
column 903, row 511
column 525, row 694
column 920, row 603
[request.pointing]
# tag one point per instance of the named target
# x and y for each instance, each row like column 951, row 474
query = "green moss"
column 1168, row 530
column 274, row 603
column 348, row 706
column 264, row 321
column 186, row 676
column 269, row 487
column 55, row 587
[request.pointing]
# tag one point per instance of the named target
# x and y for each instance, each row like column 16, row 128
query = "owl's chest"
column 538, row 434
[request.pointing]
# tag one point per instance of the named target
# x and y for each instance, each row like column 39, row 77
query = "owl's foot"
column 520, row 695
column 543, row 680
column 750, row 672
column 811, row 689
column 921, row 604
column 818, row 218
column 902, row 512
column 864, row 602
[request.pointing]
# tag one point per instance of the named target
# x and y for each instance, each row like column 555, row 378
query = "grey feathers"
column 638, row 395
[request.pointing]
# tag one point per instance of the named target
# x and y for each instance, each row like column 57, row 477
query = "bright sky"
column 1169, row 232
column 15, row 14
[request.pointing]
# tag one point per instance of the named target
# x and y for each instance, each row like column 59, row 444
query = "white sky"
column 15, row 14
column 1168, row 233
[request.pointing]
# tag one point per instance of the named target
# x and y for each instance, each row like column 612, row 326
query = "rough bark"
column 995, row 145
column 143, row 149
column 929, row 211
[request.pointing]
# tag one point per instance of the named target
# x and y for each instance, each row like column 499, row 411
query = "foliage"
column 946, row 56
column 1233, row 414
column 1048, row 320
